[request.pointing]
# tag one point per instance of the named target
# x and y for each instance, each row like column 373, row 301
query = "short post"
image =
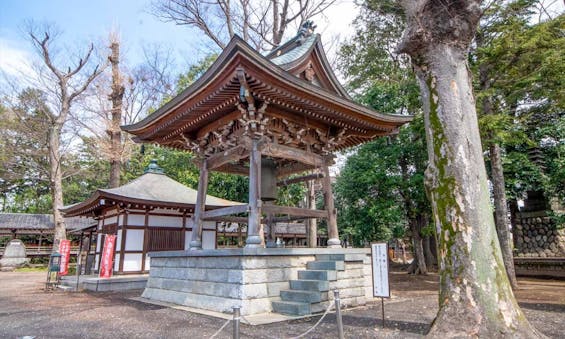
column 338, row 314
column 79, row 262
column 78, row 268
column 236, row 319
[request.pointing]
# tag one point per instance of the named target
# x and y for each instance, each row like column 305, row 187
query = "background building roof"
column 151, row 189
column 36, row 223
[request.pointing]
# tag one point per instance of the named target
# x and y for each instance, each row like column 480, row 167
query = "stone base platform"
column 252, row 279
column 97, row 284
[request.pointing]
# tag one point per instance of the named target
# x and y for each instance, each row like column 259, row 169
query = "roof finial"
column 306, row 30
column 154, row 168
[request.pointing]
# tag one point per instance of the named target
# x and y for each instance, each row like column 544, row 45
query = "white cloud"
column 14, row 60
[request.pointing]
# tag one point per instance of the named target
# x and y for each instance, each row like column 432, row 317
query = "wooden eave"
column 93, row 205
column 216, row 94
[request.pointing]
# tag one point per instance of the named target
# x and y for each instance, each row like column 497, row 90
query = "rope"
column 309, row 330
column 221, row 328
column 317, row 323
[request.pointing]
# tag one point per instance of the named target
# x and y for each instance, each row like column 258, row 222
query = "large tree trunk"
column 114, row 131
column 431, row 260
column 501, row 213
column 56, row 183
column 475, row 296
column 497, row 178
column 418, row 265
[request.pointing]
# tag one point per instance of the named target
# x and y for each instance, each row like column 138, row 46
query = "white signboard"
column 379, row 261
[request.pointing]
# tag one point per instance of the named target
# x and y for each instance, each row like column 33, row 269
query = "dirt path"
column 25, row 310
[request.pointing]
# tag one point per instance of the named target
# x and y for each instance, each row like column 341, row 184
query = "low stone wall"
column 537, row 236
column 218, row 280
column 540, row 267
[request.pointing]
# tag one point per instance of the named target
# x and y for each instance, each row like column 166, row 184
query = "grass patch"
column 31, row 269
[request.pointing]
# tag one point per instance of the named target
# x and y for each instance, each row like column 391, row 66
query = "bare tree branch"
column 260, row 23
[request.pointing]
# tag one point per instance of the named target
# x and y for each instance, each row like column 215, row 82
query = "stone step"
column 291, row 307
column 330, row 257
column 321, row 306
column 342, row 257
column 309, row 285
column 303, row 296
column 317, row 275
column 328, row 265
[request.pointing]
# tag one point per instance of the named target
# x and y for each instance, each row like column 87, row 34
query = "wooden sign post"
column 379, row 264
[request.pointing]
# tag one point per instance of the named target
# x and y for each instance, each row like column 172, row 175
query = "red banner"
column 65, row 251
column 107, row 256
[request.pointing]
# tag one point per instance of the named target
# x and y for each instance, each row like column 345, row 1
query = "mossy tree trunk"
column 475, row 298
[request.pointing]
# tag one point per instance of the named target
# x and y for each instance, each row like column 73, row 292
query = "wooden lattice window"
column 165, row 240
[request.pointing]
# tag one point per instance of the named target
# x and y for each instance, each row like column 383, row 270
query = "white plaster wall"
column 132, row 261
column 116, row 262
column 99, row 224
column 208, row 239
column 110, row 220
column 134, row 240
column 119, row 241
column 121, row 219
column 96, row 259
column 98, row 242
column 157, row 220
column 209, row 225
column 136, row 220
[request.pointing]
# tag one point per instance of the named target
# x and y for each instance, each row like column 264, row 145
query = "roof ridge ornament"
column 154, row 168
column 305, row 31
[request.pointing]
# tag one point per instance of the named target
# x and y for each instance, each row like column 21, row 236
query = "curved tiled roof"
column 151, row 189
column 295, row 53
column 39, row 222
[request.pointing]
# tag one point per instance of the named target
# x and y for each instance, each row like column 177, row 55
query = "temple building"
column 272, row 118
column 150, row 213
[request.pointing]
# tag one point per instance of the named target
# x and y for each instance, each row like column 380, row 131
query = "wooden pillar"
column 90, row 242
column 123, row 243
column 145, row 239
column 311, row 224
column 271, row 241
column 254, row 221
column 333, row 235
column 197, row 222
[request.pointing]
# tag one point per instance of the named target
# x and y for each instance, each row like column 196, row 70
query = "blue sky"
column 84, row 21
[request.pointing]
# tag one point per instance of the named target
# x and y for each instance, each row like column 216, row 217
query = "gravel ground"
column 26, row 310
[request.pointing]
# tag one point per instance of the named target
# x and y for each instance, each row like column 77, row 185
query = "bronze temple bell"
column 268, row 180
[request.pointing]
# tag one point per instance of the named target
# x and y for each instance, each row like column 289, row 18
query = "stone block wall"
column 220, row 283
column 536, row 235
column 217, row 280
